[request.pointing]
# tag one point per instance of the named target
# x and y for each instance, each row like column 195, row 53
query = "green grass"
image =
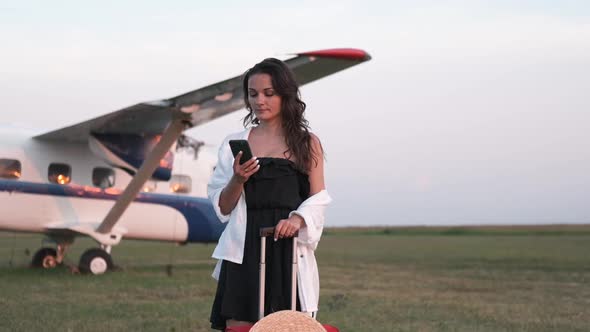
column 372, row 279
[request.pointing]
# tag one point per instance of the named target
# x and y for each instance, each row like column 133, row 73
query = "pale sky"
column 471, row 112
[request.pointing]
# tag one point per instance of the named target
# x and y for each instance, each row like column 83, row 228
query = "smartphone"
column 238, row 145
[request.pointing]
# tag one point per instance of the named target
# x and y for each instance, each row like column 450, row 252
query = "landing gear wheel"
column 95, row 261
column 45, row 258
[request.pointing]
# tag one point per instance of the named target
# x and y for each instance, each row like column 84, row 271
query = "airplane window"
column 10, row 169
column 149, row 187
column 59, row 173
column 103, row 177
column 181, row 184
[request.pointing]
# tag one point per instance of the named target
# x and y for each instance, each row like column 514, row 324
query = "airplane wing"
column 163, row 121
column 204, row 104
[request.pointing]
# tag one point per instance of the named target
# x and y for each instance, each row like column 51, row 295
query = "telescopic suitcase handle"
column 264, row 233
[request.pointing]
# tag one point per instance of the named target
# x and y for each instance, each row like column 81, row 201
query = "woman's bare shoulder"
column 315, row 143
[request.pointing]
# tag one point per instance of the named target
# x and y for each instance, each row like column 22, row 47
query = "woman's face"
column 264, row 101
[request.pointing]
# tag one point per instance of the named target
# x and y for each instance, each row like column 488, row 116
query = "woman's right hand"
column 243, row 172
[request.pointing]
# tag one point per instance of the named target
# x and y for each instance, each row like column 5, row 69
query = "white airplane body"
column 127, row 174
column 34, row 205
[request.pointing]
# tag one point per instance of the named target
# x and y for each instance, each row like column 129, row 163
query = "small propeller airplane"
column 129, row 174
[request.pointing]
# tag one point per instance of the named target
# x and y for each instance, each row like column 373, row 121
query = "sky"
column 470, row 112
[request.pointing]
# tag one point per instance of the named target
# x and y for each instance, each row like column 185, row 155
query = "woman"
column 284, row 188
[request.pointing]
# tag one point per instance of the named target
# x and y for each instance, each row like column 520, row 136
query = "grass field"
column 384, row 279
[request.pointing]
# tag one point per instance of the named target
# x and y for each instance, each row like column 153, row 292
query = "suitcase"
column 264, row 233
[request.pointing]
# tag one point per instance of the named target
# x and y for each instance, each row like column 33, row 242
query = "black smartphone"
column 238, row 145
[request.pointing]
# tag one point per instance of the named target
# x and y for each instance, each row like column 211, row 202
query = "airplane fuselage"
column 33, row 203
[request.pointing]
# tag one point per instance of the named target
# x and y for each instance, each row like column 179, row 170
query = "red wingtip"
column 342, row 53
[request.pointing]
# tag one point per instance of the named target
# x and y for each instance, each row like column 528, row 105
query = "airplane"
column 130, row 174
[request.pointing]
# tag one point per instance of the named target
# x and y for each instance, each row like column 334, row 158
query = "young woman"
column 282, row 187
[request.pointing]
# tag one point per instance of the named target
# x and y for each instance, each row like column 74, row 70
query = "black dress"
column 271, row 193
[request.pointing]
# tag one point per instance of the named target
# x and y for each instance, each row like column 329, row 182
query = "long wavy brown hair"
column 295, row 126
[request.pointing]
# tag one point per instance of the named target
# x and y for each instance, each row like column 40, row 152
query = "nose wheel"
column 95, row 261
column 45, row 258
column 92, row 261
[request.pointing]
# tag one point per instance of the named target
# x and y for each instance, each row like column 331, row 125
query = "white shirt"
column 231, row 243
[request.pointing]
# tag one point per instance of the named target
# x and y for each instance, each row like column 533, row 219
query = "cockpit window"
column 103, row 177
column 10, row 169
column 59, row 173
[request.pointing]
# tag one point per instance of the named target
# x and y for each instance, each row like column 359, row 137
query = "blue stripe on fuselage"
column 203, row 224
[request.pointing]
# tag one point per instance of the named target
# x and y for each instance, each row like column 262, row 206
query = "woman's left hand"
column 288, row 227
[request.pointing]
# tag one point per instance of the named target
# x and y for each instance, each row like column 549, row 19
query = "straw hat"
column 288, row 321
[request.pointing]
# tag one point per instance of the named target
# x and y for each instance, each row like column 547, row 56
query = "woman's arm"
column 231, row 193
column 288, row 227
column 316, row 169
